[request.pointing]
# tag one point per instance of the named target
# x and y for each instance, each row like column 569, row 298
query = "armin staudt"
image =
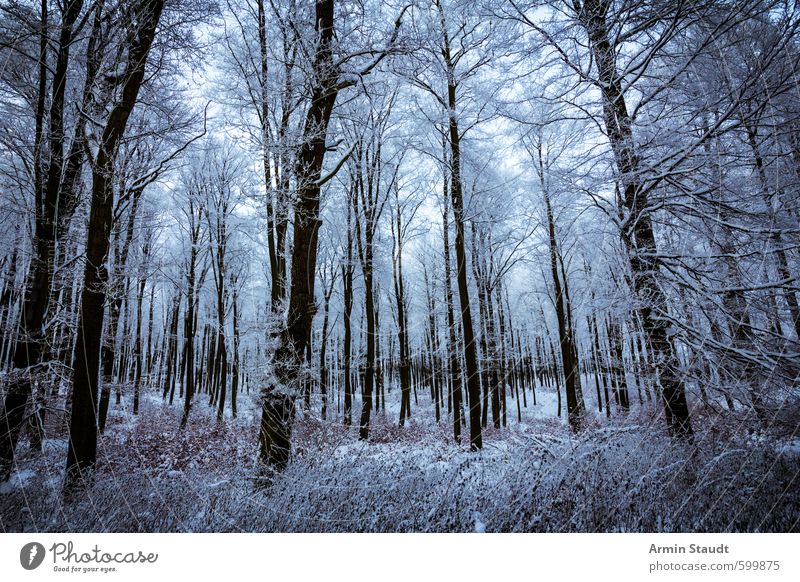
column 690, row 549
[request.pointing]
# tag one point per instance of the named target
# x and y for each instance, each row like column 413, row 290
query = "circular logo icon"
column 31, row 555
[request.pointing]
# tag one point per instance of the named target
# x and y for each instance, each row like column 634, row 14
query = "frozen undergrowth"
column 621, row 477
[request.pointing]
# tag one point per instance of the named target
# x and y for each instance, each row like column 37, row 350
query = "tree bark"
column 28, row 349
column 189, row 322
column 470, row 353
column 402, row 334
column 637, row 234
column 452, row 354
column 82, row 451
column 278, row 408
column 347, row 283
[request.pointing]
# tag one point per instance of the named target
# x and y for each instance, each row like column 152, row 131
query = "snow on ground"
column 16, row 481
column 619, row 475
column 792, row 447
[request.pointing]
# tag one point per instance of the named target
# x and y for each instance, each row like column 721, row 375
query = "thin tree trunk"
column 456, row 191
column 137, row 350
column 566, row 339
column 452, row 355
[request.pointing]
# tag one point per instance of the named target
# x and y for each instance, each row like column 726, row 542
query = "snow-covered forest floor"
column 619, row 475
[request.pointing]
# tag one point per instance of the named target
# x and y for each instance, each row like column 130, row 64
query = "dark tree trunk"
column 278, row 408
column 28, row 349
column 433, row 349
column 452, row 355
column 369, row 372
column 487, row 341
column 169, row 345
column 347, row 283
column 323, row 362
column 190, row 321
column 456, row 191
column 235, row 364
column 402, row 332
column 137, row 348
column 637, row 234
column 148, row 366
column 82, row 451
column 118, row 290
column 565, row 335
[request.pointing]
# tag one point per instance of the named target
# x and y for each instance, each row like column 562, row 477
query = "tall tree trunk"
column 566, row 336
column 637, row 232
column 402, row 333
column 118, row 290
column 323, row 348
column 452, row 355
column 456, row 191
column 137, row 349
column 347, row 282
column 169, row 344
column 148, row 367
column 235, row 363
column 490, row 393
column 28, row 349
column 278, row 407
column 369, row 372
column 433, row 335
column 82, row 451
column 189, row 324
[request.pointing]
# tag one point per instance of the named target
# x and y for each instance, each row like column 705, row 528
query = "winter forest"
column 403, row 265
